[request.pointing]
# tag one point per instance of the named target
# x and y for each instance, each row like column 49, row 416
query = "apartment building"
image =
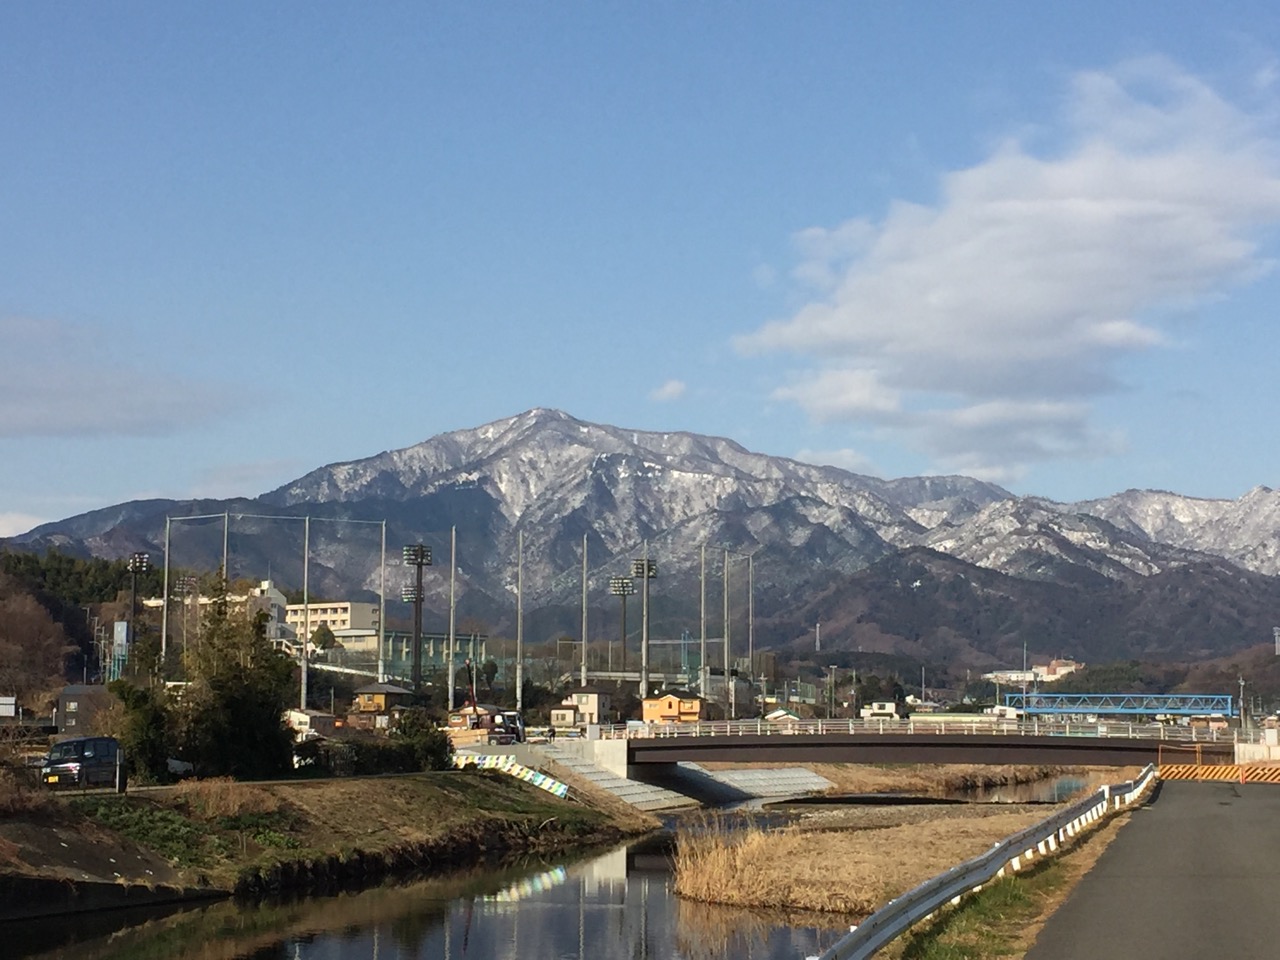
column 334, row 614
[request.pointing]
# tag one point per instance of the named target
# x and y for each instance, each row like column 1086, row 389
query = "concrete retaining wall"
column 26, row 897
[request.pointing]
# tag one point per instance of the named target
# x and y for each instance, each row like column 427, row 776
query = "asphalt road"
column 1194, row 874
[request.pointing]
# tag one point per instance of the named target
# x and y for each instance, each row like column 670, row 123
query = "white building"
column 334, row 614
column 264, row 598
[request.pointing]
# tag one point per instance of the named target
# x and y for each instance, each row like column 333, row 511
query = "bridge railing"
column 959, row 725
column 1011, row 854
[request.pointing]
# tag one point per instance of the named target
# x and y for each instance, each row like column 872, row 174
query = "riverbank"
column 221, row 838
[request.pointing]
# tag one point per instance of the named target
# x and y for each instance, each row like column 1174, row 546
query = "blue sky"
column 1032, row 243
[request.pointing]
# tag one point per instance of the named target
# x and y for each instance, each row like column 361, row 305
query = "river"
column 613, row 906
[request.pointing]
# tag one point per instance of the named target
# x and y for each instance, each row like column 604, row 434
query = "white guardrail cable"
column 1028, row 728
column 1011, row 854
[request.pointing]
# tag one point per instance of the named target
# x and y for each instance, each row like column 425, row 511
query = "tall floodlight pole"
column 138, row 563
column 306, row 604
column 751, row 615
column 186, row 587
column 382, row 606
column 584, row 609
column 704, row 677
column 520, row 621
column 164, row 612
column 453, row 605
column 623, row 587
column 646, row 569
column 418, row 556
column 226, row 538
column 731, row 693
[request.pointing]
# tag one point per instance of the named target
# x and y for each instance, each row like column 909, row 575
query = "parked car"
column 82, row 762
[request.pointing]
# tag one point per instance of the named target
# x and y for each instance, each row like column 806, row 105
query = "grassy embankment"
column 263, row 837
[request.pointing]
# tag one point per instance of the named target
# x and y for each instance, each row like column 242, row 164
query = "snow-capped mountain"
column 551, row 482
column 1246, row 531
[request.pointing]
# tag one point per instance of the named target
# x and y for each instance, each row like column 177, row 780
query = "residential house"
column 374, row 705
column 310, row 723
column 77, row 705
column 380, row 698
column 582, row 706
column 673, row 707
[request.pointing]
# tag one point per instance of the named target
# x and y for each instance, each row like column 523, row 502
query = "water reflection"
column 617, row 906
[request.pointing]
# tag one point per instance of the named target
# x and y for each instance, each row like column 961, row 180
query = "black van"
column 82, row 762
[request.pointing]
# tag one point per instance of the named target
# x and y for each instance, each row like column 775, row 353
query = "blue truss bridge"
column 1122, row 704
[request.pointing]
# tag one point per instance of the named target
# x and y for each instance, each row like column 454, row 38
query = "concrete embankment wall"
column 23, row 898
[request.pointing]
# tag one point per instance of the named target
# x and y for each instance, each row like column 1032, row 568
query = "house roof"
column 383, row 688
column 678, row 694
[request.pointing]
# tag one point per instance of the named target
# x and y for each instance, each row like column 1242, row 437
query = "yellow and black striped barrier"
column 1229, row 772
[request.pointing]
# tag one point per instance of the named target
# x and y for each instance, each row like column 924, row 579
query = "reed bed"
column 849, row 873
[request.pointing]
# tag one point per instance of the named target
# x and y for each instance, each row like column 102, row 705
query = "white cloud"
column 12, row 524
column 983, row 326
column 63, row 380
column 671, row 390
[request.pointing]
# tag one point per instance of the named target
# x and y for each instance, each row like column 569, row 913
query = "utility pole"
column 306, row 602
column 584, row 609
column 704, row 668
column 1244, row 717
column 728, row 680
column 453, row 607
column 519, row 621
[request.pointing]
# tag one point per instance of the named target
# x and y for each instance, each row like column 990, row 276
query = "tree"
column 432, row 748
column 322, row 637
column 231, row 717
column 490, row 671
column 33, row 648
column 145, row 733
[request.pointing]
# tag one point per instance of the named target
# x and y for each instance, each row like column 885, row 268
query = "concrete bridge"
column 642, row 753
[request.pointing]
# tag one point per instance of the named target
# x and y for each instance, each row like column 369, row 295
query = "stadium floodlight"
column 418, row 556
column 645, row 569
column 622, row 587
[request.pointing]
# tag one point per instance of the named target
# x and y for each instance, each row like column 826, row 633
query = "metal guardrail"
column 1032, row 728
column 904, row 912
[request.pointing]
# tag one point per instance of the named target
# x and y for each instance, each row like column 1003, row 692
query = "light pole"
column 418, row 556
column 622, row 587
column 186, row 587
column 645, row 569
column 831, row 693
column 729, row 557
column 138, row 563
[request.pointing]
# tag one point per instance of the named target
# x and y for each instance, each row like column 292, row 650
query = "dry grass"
column 19, row 796
column 223, row 797
column 842, row 872
column 10, row 854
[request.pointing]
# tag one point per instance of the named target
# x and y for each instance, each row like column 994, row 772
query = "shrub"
column 220, row 797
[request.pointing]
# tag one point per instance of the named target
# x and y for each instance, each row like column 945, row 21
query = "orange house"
column 673, row 708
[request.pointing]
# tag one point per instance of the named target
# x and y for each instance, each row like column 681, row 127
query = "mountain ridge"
column 552, row 482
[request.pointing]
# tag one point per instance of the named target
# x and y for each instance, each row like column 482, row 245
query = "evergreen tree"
column 145, row 734
column 231, row 718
